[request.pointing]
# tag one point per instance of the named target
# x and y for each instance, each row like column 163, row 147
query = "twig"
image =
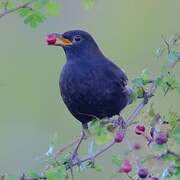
column 24, row 177
column 173, row 153
column 75, row 151
column 65, row 147
column 167, row 44
column 150, row 92
column 5, row 6
column 161, row 156
column 98, row 153
column 76, row 162
column 8, row 11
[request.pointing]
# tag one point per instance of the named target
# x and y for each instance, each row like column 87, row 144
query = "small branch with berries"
column 121, row 127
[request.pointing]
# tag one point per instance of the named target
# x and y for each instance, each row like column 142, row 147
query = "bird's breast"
column 79, row 82
column 87, row 89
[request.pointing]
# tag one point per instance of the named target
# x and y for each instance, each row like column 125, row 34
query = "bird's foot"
column 120, row 122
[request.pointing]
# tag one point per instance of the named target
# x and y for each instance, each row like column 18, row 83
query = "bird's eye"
column 77, row 38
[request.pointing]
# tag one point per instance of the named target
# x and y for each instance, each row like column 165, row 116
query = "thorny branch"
column 91, row 158
column 8, row 11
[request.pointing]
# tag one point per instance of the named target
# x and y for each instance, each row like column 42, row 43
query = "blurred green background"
column 31, row 108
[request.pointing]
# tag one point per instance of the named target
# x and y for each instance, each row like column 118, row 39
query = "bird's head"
column 76, row 43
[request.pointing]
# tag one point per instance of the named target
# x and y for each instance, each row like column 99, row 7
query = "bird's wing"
column 119, row 77
column 117, row 73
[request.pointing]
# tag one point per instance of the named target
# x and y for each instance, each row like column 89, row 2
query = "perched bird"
column 90, row 84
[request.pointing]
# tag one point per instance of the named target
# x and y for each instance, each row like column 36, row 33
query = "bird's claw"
column 120, row 122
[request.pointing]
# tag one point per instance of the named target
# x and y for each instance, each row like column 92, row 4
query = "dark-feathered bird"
column 90, row 84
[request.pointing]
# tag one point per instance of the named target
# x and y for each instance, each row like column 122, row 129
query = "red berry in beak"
column 51, row 39
column 139, row 129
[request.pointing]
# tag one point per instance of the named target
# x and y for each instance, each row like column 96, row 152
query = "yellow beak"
column 60, row 40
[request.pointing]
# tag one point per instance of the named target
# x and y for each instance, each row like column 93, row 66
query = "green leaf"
column 33, row 175
column 138, row 82
column 88, row 4
column 172, row 56
column 175, row 133
column 114, row 176
column 98, row 168
column 12, row 178
column 170, row 80
column 172, row 118
column 43, row 2
column 159, row 82
column 151, row 111
column 158, row 149
column 169, row 157
column 116, row 160
column 177, row 162
column 143, row 79
column 33, row 24
column 177, row 89
column 111, row 128
column 28, row 19
column 38, row 5
column 24, row 12
column 145, row 75
column 103, row 138
column 64, row 159
column 58, row 173
column 53, row 8
column 33, row 18
column 176, row 176
column 39, row 16
column 139, row 91
column 11, row 4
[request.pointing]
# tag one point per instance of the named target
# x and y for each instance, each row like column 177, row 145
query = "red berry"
column 161, row 137
column 139, row 129
column 51, row 39
column 136, row 146
column 126, row 167
column 118, row 137
column 142, row 173
column 154, row 178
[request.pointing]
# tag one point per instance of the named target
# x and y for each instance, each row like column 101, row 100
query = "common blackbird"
column 90, row 84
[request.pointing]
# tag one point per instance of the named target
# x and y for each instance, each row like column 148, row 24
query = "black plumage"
column 90, row 84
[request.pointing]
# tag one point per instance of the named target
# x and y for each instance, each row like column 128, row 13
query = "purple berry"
column 126, row 167
column 139, row 129
column 161, row 137
column 118, row 137
column 154, row 178
column 142, row 173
